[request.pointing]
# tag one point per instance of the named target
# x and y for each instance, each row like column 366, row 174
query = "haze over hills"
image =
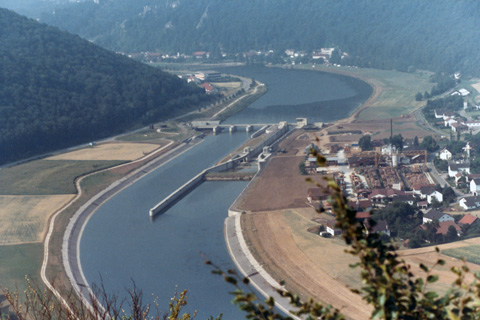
column 438, row 35
column 57, row 89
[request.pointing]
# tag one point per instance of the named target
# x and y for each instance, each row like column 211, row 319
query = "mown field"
column 24, row 218
column 47, row 177
column 469, row 253
column 109, row 151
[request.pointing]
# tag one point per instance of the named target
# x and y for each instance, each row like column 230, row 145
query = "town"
column 419, row 192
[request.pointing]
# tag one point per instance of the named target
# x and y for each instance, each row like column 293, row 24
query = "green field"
column 398, row 89
column 46, row 177
column 171, row 132
column 18, row 261
column 470, row 253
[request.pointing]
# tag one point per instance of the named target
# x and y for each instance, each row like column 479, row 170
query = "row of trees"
column 429, row 143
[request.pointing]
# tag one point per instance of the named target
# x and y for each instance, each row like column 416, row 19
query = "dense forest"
column 57, row 89
column 438, row 35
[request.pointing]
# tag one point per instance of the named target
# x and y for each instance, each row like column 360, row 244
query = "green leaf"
column 423, row 267
column 231, row 280
column 432, row 278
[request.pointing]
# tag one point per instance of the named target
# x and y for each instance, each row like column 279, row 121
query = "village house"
column 443, row 114
column 444, row 225
column 435, row 195
column 460, row 92
column 425, row 191
column 468, row 220
column 332, row 229
column 201, row 54
column 422, row 204
column 458, row 127
column 381, row 227
column 454, row 168
column 450, row 121
column 358, row 161
column 475, row 186
column 473, row 124
column 378, row 196
column 469, row 203
column 361, row 205
column 435, row 215
column 472, row 176
column 209, row 89
column 417, row 188
column 458, row 178
column 362, row 216
column 445, row 154
column 406, row 198
column 316, row 194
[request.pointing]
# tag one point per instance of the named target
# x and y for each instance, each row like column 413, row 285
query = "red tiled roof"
column 365, row 203
column 362, row 215
column 443, row 227
column 467, row 219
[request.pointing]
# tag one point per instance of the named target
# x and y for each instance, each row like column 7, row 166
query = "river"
column 318, row 96
column 121, row 244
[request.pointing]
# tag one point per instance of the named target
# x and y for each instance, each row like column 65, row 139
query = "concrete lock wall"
column 191, row 184
column 177, row 194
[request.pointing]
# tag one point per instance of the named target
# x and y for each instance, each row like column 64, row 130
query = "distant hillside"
column 57, row 89
column 439, row 35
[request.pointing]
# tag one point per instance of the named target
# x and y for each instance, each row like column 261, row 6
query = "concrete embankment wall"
column 190, row 185
column 268, row 141
column 176, row 195
column 259, row 132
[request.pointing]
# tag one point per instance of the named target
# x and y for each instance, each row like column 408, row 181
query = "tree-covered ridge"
column 431, row 34
column 57, row 89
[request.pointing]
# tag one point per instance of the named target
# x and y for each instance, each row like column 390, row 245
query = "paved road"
column 249, row 266
column 441, row 180
column 425, row 124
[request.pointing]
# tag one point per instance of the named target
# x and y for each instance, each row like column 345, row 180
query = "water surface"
column 318, row 96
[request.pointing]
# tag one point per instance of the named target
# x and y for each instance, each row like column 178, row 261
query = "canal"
column 120, row 244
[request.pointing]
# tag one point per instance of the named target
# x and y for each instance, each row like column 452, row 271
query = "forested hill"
column 57, row 89
column 430, row 34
